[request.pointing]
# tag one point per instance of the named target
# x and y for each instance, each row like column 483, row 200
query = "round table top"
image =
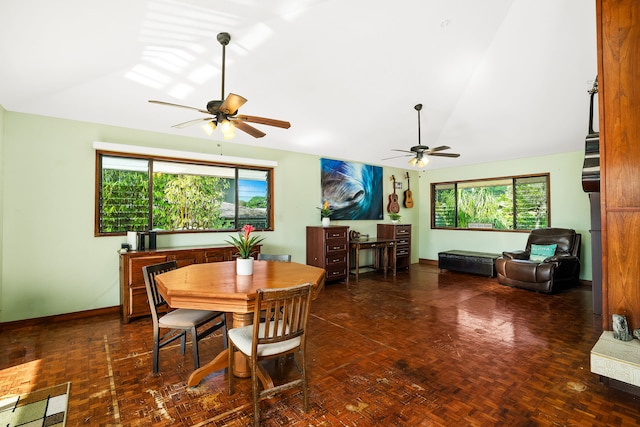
column 216, row 286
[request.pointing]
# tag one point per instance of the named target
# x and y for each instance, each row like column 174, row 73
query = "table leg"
column 218, row 362
column 241, row 367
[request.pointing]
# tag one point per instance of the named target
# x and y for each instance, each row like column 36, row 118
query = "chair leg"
column 225, row 337
column 230, row 365
column 280, row 362
column 305, row 387
column 256, row 392
column 156, row 350
column 195, row 345
column 183, row 342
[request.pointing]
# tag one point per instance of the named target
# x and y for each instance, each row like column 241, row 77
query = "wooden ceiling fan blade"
column 444, row 154
column 402, row 151
column 178, row 105
column 397, row 157
column 192, row 122
column 256, row 133
column 264, row 121
column 232, row 103
column 440, row 148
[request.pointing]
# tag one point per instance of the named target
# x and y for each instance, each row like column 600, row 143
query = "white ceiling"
column 499, row 79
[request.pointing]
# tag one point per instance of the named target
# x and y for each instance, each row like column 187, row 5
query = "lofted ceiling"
column 498, row 79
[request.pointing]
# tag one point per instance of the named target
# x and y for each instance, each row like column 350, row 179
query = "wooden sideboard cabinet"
column 328, row 248
column 402, row 234
column 133, row 294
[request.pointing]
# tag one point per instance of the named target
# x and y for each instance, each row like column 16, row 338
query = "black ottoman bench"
column 468, row 262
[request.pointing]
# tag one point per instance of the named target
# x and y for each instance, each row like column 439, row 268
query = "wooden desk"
column 215, row 286
column 357, row 245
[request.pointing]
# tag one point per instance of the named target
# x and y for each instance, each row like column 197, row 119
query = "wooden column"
column 618, row 32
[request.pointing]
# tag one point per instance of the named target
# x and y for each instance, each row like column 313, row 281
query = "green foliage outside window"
column 255, row 202
column 184, row 196
column 485, row 205
column 189, row 202
column 124, row 203
column 489, row 204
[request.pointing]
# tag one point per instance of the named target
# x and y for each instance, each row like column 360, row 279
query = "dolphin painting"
column 353, row 190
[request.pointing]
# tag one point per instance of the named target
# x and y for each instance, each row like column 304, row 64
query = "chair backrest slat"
column 149, row 272
column 289, row 310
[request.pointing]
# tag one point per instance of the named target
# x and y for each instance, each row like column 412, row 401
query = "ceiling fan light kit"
column 419, row 162
column 225, row 111
column 209, row 127
column 227, row 128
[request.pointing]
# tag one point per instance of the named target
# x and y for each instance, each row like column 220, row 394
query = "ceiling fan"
column 420, row 150
column 225, row 111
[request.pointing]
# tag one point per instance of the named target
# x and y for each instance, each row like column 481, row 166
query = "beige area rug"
column 46, row 407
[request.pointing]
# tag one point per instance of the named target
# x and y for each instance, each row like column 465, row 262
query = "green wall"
column 53, row 264
column 56, row 265
column 2, row 115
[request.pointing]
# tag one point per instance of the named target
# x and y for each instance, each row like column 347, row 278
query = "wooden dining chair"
column 275, row 337
column 274, row 257
column 198, row 323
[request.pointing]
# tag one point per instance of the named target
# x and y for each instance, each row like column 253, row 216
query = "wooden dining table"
column 216, row 286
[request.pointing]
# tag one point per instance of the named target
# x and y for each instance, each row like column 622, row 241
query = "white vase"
column 326, row 222
column 244, row 266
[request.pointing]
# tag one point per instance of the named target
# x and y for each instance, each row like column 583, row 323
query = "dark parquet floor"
column 422, row 349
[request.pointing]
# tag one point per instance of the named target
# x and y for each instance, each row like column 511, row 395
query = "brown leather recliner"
column 558, row 271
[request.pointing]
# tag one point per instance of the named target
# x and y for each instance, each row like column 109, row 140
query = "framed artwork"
column 353, row 190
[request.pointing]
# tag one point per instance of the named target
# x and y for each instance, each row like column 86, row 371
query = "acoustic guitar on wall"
column 408, row 197
column 393, row 205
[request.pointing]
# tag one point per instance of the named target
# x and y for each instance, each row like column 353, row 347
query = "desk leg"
column 385, row 259
column 394, row 258
column 241, row 368
column 356, row 267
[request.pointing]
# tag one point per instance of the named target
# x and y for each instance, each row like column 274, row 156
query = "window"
column 511, row 203
column 139, row 193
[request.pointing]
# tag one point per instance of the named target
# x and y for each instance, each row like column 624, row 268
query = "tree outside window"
column 139, row 194
column 511, row 203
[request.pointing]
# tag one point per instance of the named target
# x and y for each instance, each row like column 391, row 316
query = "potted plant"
column 245, row 245
column 395, row 217
column 325, row 213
